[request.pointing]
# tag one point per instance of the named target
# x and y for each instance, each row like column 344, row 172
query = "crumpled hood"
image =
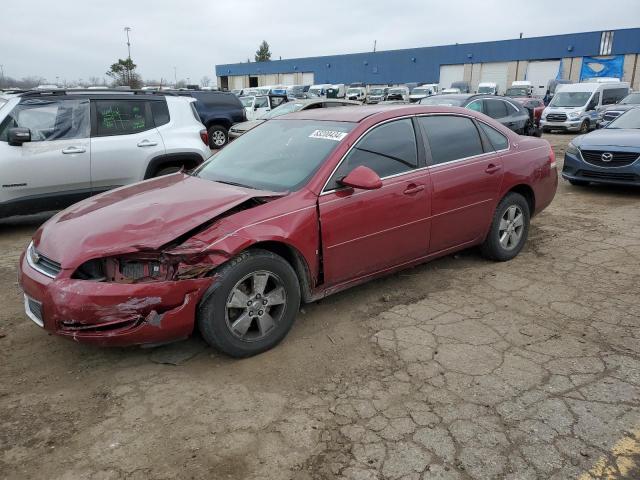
column 610, row 137
column 143, row 216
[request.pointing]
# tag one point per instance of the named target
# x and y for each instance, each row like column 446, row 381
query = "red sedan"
column 301, row 207
column 534, row 105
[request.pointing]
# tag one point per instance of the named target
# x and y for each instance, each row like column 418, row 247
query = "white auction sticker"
column 328, row 135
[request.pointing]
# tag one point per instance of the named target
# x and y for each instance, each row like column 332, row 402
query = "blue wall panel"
column 423, row 64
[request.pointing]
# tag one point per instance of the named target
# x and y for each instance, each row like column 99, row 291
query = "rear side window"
column 511, row 109
column 495, row 108
column 196, row 115
column 498, row 140
column 387, row 150
column 122, row 117
column 451, row 138
column 160, row 112
column 216, row 99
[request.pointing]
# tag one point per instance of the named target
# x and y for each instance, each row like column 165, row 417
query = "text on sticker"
column 328, row 135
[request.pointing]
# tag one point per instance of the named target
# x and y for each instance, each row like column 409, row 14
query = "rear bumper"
column 112, row 314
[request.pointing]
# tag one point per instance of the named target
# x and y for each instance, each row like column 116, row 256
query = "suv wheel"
column 254, row 303
column 509, row 228
column 218, row 136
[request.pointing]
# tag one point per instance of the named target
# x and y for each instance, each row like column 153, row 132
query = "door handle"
column 413, row 188
column 71, row 150
column 492, row 168
column 147, row 143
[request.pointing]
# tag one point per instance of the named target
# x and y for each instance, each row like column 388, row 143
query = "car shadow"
column 26, row 223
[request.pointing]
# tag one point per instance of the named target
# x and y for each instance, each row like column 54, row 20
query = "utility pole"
column 175, row 76
column 127, row 30
column 375, row 43
column 1, row 75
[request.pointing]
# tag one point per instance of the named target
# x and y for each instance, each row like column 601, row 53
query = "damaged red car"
column 296, row 209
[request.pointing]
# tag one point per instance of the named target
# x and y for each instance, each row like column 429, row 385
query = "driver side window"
column 49, row 119
column 388, row 150
column 261, row 102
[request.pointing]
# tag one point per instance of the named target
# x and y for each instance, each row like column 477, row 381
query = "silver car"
column 58, row 147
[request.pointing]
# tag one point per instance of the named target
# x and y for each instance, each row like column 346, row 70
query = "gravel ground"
column 458, row 369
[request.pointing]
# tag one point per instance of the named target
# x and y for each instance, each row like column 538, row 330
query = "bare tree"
column 205, row 81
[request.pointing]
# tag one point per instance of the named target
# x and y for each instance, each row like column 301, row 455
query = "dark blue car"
column 607, row 155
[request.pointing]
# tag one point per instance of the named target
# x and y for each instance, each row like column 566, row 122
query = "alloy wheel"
column 511, row 227
column 255, row 306
column 218, row 138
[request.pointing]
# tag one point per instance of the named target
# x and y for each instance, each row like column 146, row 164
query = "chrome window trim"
column 325, row 192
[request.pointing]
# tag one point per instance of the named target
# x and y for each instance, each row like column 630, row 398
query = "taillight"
column 204, row 136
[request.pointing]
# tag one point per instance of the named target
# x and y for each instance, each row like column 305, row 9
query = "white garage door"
column 539, row 74
column 307, row 78
column 450, row 74
column 495, row 72
column 287, row 79
column 236, row 82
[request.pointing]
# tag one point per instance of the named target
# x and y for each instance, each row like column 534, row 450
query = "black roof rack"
column 96, row 91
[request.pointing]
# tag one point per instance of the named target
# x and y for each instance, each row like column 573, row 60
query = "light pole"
column 1, row 75
column 175, row 76
column 127, row 30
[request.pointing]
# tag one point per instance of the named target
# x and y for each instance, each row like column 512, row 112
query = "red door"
column 367, row 231
column 466, row 180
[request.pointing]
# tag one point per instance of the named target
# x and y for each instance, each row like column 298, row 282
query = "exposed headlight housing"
column 572, row 149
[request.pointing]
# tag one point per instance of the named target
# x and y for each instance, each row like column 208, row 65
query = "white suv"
column 58, row 147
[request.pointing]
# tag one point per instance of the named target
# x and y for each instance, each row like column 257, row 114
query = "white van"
column 488, row 88
column 319, row 90
column 575, row 106
column 520, row 88
column 423, row 91
column 357, row 93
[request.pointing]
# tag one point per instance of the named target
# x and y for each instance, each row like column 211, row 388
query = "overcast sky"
column 80, row 39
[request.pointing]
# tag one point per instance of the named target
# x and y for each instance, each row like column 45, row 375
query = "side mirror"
column 363, row 178
column 18, row 136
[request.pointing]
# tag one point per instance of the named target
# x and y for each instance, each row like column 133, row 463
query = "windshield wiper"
column 236, row 184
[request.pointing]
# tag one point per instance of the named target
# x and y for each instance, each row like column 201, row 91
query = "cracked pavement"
column 459, row 369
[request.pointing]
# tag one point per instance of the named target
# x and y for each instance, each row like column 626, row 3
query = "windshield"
column 316, row 91
column 397, row 91
column 282, row 110
column 570, row 99
column 632, row 99
column 420, row 91
column 247, row 102
column 517, row 92
column 353, row 91
column 376, row 91
column 629, row 119
column 486, row 90
column 280, row 155
column 442, row 100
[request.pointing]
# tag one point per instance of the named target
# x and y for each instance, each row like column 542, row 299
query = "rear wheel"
column 218, row 136
column 509, row 228
column 254, row 303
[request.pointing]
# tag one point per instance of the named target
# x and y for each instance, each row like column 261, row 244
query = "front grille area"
column 556, row 117
column 622, row 177
column 608, row 116
column 619, row 159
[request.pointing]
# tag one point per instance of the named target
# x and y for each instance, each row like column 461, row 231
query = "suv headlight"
column 572, row 149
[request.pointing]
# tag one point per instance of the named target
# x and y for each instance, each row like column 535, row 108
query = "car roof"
column 358, row 113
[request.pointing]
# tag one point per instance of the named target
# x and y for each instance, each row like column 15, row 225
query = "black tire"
column 578, row 183
column 546, row 130
column 492, row 247
column 212, row 312
column 168, row 170
column 585, row 127
column 218, row 136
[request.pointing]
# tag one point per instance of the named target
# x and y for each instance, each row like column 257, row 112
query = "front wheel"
column 254, row 302
column 584, row 127
column 509, row 228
